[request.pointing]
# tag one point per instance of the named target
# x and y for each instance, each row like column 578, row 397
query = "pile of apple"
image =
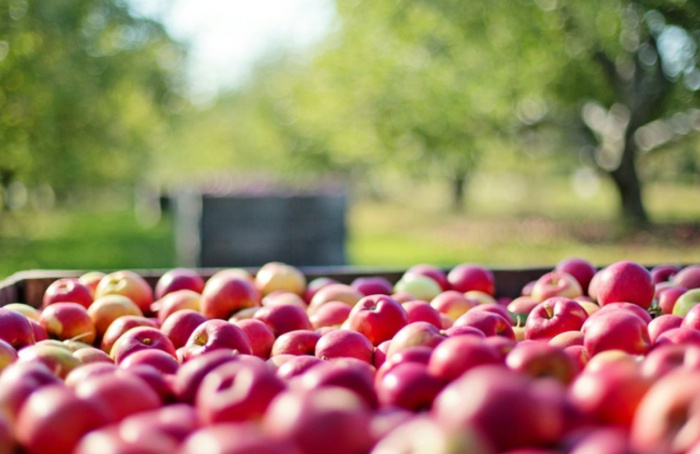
column 586, row 360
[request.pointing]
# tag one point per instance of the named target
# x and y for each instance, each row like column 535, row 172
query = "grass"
column 507, row 222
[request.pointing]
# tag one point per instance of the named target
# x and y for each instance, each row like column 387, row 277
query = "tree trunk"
column 629, row 188
column 459, row 190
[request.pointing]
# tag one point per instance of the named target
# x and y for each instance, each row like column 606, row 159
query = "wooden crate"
column 29, row 286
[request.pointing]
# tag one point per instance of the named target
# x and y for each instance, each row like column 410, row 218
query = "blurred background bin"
column 250, row 229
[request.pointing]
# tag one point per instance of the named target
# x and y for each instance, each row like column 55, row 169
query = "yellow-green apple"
column 67, row 290
column 91, row 280
column 120, row 326
column 54, row 419
column 590, row 307
column 686, row 301
column 616, row 330
column 554, row 316
column 129, row 284
column 344, row 343
column 163, row 362
column 372, row 285
column 277, row 276
column 296, row 365
column 334, row 292
column 283, row 318
column 112, row 439
column 664, row 359
column 103, row 311
column 297, row 342
column 501, row 406
column 216, row 334
column 179, row 326
column 436, row 273
column 521, row 306
column 237, row 391
column 315, row 285
column 178, row 279
column 419, row 286
column 190, row 375
column 470, row 276
column 68, row 321
column 663, row 273
column 662, row 323
column 259, row 335
column 679, row 336
column 452, row 303
column 235, row 438
column 89, row 355
column 408, row 385
column 555, row 283
column 422, row 311
column 329, row 419
column 666, row 419
column 377, row 317
column 175, row 301
column 415, row 334
column 227, row 295
column 667, row 296
column 58, row 358
column 490, row 323
column 540, row 359
column 28, row 311
column 15, row 329
column 140, row 338
column 346, row 373
column 581, row 269
column 625, row 281
column 688, row 277
column 456, row 355
column 332, row 313
column 118, row 394
column 8, row 355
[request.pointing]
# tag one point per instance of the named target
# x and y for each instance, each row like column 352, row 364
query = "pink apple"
column 15, row 329
column 297, row 365
column 129, row 284
column 237, row 391
column 667, row 358
column 688, row 277
column 91, row 280
column 67, row 290
column 431, row 271
column 661, row 324
column 627, row 282
column 18, row 381
column 456, row 355
column 419, row 354
column 581, row 269
column 490, row 323
column 372, row 285
column 259, row 335
column 111, row 439
column 163, row 362
column 235, row 438
column 667, row 297
column 227, row 295
column 180, row 325
column 175, row 421
column 464, row 330
column 118, row 395
column 679, row 336
column 522, row 306
column 350, row 373
column 554, row 316
column 334, row 292
column 284, row 298
column 298, row 342
column 616, row 330
column 68, row 321
column 413, row 335
column 178, row 279
column 332, row 313
column 422, row 311
column 409, row 385
column 177, row 300
column 277, row 276
column 190, row 375
column 663, row 273
column 216, row 334
column 378, row 317
column 344, row 343
column 453, row 303
column 315, row 285
column 495, row 308
column 283, row 318
column 540, row 359
column 467, row 276
column 141, row 338
column 556, row 283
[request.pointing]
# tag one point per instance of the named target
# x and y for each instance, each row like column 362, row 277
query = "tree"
column 86, row 90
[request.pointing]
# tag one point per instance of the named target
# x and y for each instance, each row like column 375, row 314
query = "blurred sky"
column 228, row 36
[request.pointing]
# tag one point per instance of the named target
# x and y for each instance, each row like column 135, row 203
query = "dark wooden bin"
column 29, row 286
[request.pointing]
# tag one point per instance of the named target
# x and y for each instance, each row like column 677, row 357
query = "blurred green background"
column 510, row 133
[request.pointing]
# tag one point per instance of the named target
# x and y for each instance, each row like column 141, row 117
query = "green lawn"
column 535, row 226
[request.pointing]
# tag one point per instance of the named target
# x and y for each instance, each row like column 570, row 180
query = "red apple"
column 91, row 280
column 237, row 391
column 227, row 295
column 284, row 298
column 540, row 359
column 616, row 330
column 581, row 269
column 235, row 438
column 490, row 323
column 118, row 395
column 334, row 292
column 259, row 335
column 413, row 335
column 178, row 279
column 15, row 329
column 8, row 355
column 163, row 362
column 668, row 296
column 521, row 306
column 467, row 276
column 176, row 422
column 372, row 285
column 18, row 381
column 344, row 343
column 661, row 324
column 667, row 358
column 555, row 283
column 190, row 375
column 216, row 334
column 277, row 276
column 422, row 311
column 180, row 325
column 298, row 342
column 554, row 316
column 129, row 284
column 627, row 282
column 663, row 273
column 68, row 321
column 408, row 385
column 141, row 338
column 679, row 336
column 67, row 290
column 332, row 313
column 688, row 277
column 453, row 303
column 111, row 439
column 378, row 317
column 456, row 355
column 54, row 419
column 297, row 365
column 175, row 301
column 283, row 318
column 103, row 311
